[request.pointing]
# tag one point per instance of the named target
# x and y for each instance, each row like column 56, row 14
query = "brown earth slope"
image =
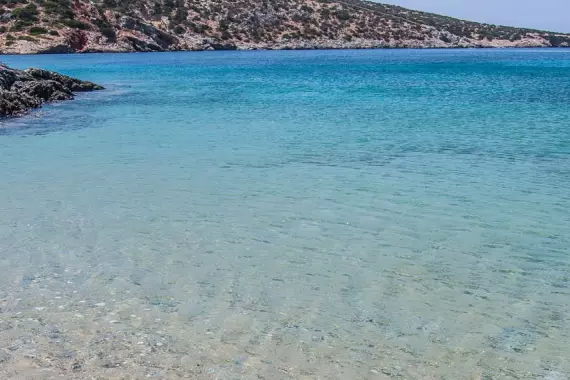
column 67, row 26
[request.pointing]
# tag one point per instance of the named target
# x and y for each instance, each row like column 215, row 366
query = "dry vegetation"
column 144, row 25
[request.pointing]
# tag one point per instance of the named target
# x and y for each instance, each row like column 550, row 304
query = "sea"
column 350, row 214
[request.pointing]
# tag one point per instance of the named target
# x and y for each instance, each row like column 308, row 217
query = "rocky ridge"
column 22, row 90
column 68, row 26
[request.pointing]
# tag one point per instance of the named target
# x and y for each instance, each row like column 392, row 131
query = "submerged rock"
column 22, row 90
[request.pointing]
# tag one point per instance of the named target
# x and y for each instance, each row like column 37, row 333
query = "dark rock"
column 13, row 104
column 142, row 46
column 58, row 49
column 10, row 76
column 163, row 40
column 72, row 84
column 218, row 46
column 21, row 91
column 47, row 90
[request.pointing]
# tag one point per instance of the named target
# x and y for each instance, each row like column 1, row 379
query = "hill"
column 66, row 26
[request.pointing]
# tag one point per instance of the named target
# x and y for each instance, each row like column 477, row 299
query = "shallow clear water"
column 309, row 215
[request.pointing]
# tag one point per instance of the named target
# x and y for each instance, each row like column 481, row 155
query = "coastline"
column 73, row 41
column 323, row 48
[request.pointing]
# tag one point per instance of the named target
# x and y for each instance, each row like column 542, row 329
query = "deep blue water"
column 311, row 214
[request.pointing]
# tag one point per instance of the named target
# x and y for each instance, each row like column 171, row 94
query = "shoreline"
column 497, row 48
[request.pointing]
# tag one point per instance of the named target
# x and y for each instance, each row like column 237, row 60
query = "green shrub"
column 168, row 6
column 27, row 13
column 27, row 38
column 76, row 24
column 179, row 29
column 157, row 9
column 343, row 15
column 37, row 30
column 53, row 33
column 180, row 15
column 13, row 2
column 108, row 32
column 61, row 8
column 197, row 28
column 10, row 37
column 21, row 25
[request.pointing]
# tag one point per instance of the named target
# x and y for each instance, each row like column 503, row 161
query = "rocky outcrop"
column 82, row 26
column 22, row 90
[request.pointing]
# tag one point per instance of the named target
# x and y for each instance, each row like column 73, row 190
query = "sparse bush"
column 224, row 25
column 198, row 28
column 300, row 17
column 108, row 32
column 179, row 29
column 76, row 24
column 37, row 30
column 61, row 8
column 343, row 15
column 11, row 3
column 21, row 25
column 27, row 13
column 168, row 6
column 157, row 9
column 180, row 15
column 27, row 38
column 325, row 13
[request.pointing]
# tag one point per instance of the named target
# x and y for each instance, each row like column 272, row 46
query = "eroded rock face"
column 21, row 91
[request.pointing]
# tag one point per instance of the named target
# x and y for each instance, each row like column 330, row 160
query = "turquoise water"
column 386, row 214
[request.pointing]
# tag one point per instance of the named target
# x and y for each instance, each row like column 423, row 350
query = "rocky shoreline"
column 143, row 45
column 23, row 90
column 73, row 41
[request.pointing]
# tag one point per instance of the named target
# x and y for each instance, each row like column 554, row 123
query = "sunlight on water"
column 306, row 215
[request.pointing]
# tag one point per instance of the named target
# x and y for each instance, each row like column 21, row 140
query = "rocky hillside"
column 61, row 26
